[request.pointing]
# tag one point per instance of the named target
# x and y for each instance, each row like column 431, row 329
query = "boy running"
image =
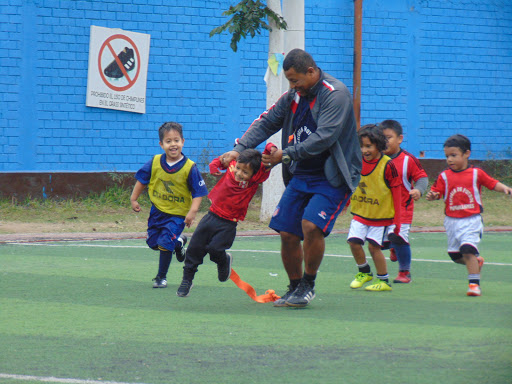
column 414, row 184
column 460, row 186
column 373, row 206
column 176, row 188
column 230, row 200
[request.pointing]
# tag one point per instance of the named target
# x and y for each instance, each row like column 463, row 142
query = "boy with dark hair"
column 414, row 184
column 460, row 186
column 230, row 200
column 373, row 206
column 176, row 188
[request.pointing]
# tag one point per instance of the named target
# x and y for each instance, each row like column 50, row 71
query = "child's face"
column 243, row 171
column 172, row 144
column 456, row 159
column 370, row 151
column 394, row 141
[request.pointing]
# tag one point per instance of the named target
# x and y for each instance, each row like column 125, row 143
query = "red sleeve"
column 438, row 185
column 262, row 175
column 416, row 170
column 268, row 147
column 394, row 182
column 216, row 165
column 486, row 180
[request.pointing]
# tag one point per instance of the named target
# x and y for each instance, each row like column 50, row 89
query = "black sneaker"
column 282, row 301
column 127, row 59
column 159, row 282
column 302, row 295
column 224, row 268
column 178, row 250
column 184, row 289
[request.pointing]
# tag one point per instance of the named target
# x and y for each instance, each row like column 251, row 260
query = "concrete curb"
column 90, row 236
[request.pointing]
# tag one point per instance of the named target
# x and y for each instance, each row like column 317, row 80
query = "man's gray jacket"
column 336, row 131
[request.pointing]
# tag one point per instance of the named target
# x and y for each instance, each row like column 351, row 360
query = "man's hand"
column 273, row 158
column 228, row 157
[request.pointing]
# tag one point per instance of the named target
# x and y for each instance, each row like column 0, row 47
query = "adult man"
column 321, row 166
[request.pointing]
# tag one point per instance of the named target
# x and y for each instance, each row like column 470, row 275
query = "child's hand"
column 433, row 196
column 415, row 194
column 189, row 219
column 135, row 205
column 214, row 170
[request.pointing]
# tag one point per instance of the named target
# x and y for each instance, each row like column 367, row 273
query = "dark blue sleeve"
column 144, row 174
column 196, row 183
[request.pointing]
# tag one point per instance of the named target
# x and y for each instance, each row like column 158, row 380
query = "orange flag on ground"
column 269, row 296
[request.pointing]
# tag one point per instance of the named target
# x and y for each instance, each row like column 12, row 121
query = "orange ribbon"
column 269, row 296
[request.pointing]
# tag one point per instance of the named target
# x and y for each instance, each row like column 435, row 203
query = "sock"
column 294, row 284
column 364, row 268
column 310, row 279
column 383, row 277
column 403, row 254
column 474, row 278
column 163, row 265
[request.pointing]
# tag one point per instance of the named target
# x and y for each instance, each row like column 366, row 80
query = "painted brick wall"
column 439, row 67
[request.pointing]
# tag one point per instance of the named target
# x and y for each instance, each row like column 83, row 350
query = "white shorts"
column 366, row 232
column 465, row 230
column 404, row 232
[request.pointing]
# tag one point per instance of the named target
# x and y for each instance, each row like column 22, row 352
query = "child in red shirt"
column 460, row 186
column 373, row 206
column 414, row 184
column 230, row 200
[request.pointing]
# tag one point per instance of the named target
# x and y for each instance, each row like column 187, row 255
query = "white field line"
column 231, row 250
column 51, row 379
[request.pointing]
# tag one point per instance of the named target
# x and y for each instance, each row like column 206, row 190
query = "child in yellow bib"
column 373, row 206
column 176, row 188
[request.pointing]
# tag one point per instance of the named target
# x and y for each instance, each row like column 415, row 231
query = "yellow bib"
column 372, row 198
column 169, row 191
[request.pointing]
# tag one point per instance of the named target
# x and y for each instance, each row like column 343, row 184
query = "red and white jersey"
column 230, row 198
column 461, row 190
column 410, row 171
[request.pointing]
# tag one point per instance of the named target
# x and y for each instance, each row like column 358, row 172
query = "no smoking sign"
column 118, row 62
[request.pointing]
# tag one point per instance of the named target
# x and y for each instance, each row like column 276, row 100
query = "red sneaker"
column 403, row 277
column 474, row 290
column 392, row 255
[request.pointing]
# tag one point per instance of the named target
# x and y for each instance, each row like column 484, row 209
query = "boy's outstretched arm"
column 194, row 208
column 500, row 187
column 137, row 190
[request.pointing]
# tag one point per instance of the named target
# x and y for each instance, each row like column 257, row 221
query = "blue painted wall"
column 439, row 67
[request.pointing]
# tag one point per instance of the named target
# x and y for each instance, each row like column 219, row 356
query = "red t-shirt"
column 410, row 171
column 461, row 190
column 230, row 198
column 393, row 181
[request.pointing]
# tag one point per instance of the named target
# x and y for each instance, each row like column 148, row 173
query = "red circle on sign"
column 130, row 81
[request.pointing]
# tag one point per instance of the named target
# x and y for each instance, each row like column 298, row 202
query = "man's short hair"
column 300, row 60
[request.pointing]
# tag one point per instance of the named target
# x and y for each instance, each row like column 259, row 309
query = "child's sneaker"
column 379, row 286
column 224, row 268
column 392, row 255
column 159, row 282
column 474, row 290
column 404, row 277
column 179, row 250
column 480, row 262
column 360, row 279
column 184, row 288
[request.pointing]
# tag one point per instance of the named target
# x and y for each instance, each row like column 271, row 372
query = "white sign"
column 118, row 69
